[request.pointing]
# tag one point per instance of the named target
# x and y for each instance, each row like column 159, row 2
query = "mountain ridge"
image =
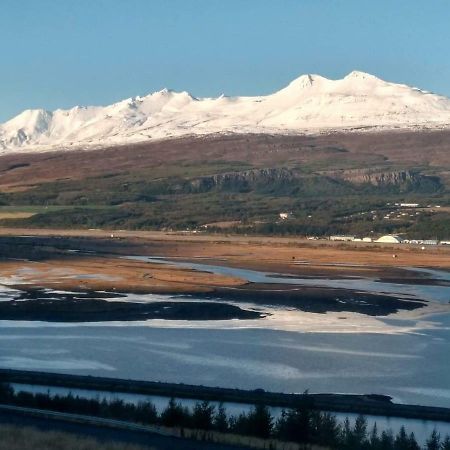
column 309, row 104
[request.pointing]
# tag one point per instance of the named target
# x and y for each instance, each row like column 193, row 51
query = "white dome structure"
column 390, row 239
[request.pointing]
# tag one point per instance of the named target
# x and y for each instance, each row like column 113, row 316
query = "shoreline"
column 369, row 404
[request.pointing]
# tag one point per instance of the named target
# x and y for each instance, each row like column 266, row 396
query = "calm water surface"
column 401, row 356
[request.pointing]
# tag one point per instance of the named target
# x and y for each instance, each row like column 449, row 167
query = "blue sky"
column 59, row 53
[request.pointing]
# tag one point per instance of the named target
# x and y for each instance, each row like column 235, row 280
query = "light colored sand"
column 109, row 274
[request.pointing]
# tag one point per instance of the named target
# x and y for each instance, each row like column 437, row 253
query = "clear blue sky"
column 59, row 53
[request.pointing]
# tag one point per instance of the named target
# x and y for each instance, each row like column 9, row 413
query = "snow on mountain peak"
column 30, row 118
column 304, row 81
column 24, row 128
column 310, row 103
column 358, row 75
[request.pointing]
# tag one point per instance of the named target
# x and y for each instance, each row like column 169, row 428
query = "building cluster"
column 388, row 239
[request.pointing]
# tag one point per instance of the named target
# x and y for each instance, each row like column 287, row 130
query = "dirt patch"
column 89, row 273
column 15, row 215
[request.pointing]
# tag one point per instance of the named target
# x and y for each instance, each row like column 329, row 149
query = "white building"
column 342, row 238
column 430, row 242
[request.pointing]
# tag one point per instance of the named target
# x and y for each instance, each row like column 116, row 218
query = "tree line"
column 302, row 425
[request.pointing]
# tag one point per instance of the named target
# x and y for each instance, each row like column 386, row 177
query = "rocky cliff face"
column 243, row 180
column 289, row 181
column 401, row 178
column 378, row 178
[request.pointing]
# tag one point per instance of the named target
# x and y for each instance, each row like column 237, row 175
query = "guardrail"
column 87, row 420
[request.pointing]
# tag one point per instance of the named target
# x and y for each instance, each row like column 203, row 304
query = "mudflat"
column 94, row 262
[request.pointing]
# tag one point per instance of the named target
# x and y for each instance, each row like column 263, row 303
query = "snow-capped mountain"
column 310, row 104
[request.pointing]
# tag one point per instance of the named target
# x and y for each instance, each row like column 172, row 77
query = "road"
column 104, row 430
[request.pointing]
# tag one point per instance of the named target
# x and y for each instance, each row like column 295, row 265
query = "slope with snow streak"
column 310, row 103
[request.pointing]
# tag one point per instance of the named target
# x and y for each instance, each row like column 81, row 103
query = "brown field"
column 284, row 255
column 26, row 438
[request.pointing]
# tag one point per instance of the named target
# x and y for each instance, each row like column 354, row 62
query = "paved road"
column 105, row 433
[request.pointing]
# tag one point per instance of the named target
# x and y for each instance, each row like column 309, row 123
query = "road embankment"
column 377, row 405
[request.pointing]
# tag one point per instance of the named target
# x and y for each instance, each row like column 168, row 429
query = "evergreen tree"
column 413, row 445
column 145, row 412
column 434, row 441
column 374, row 440
column 220, row 419
column 360, row 432
column 279, row 427
column 446, row 443
column 387, row 440
column 401, row 440
column 260, row 421
column 202, row 416
column 346, row 438
column 325, row 429
column 174, row 415
column 295, row 425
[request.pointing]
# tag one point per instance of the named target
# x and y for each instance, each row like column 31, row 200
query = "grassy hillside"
column 331, row 184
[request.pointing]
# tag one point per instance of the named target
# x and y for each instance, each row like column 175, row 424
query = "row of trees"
column 302, row 425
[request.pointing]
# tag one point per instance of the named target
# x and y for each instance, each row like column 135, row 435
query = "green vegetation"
column 302, row 425
column 188, row 196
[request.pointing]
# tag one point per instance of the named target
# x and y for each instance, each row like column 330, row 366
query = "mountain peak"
column 358, row 75
column 309, row 104
column 30, row 118
column 303, row 82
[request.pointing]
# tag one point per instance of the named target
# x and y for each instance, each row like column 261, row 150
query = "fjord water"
column 402, row 356
column 412, row 368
